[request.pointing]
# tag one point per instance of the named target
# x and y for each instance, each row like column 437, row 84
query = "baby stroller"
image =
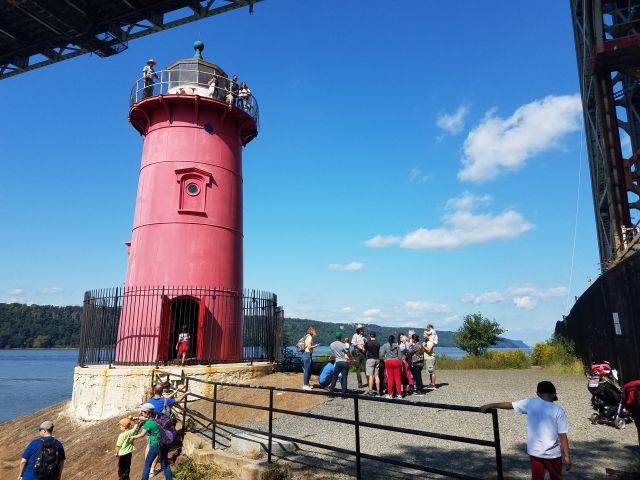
column 606, row 396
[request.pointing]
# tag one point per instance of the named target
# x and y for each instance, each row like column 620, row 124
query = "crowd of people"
column 394, row 368
column 219, row 87
column 44, row 457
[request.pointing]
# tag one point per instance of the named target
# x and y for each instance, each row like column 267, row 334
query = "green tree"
column 477, row 333
column 41, row 341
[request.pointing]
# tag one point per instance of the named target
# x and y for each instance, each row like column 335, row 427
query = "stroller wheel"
column 619, row 422
column 594, row 418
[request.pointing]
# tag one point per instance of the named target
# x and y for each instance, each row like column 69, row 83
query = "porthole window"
column 193, row 189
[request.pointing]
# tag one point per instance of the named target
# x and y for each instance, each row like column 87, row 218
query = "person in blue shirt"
column 31, row 453
column 158, row 400
column 327, row 373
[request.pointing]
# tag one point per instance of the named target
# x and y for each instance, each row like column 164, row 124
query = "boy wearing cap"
column 151, row 429
column 149, row 74
column 547, row 430
column 341, row 369
column 53, row 457
column 124, row 448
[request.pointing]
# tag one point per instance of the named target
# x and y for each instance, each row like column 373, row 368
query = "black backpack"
column 48, row 462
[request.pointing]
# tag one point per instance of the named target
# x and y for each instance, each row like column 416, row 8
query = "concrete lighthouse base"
column 100, row 392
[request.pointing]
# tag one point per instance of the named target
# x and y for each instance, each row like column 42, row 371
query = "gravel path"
column 593, row 447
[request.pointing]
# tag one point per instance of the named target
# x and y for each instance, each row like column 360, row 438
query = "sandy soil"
column 90, row 446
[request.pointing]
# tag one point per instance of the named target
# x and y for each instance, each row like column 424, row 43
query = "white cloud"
column 346, row 309
column 418, row 309
column 372, row 313
column 526, row 297
column 383, row 241
column 18, row 291
column 497, row 145
column 461, row 227
column 416, row 175
column 347, row 267
column 525, row 303
column 453, row 123
column 51, row 290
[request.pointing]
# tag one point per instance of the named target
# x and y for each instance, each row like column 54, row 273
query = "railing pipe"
column 214, row 422
column 496, row 441
column 270, row 424
column 356, row 418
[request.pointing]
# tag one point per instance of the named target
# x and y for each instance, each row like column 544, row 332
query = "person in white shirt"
column 547, row 430
column 431, row 333
column 148, row 73
column 212, row 87
column 243, row 94
column 357, row 353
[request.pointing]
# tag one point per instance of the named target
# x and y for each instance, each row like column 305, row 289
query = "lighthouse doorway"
column 185, row 313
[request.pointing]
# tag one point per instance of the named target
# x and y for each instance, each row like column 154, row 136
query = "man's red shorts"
column 541, row 465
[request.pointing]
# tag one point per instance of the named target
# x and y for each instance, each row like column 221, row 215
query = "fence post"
column 213, row 420
column 270, row 423
column 496, row 440
column 356, row 418
column 184, row 408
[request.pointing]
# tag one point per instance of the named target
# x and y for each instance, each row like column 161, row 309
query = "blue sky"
column 417, row 161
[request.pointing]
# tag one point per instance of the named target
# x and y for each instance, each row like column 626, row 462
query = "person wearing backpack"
column 156, row 447
column 305, row 346
column 43, row 459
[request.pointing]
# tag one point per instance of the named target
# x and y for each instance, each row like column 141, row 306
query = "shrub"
column 542, row 354
column 290, row 361
column 276, row 472
column 558, row 355
column 190, row 470
column 490, row 361
column 509, row 359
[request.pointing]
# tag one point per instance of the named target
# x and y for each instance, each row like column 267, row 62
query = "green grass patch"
column 190, row 470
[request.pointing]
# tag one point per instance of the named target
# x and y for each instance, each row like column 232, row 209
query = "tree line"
column 48, row 326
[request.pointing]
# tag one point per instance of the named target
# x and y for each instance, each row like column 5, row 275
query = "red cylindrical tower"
column 187, row 228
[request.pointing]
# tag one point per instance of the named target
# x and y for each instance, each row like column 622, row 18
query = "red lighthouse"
column 187, row 227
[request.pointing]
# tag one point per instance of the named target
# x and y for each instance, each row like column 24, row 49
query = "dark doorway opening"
column 185, row 312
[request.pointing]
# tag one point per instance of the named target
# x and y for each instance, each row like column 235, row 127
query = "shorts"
column 373, row 367
column 430, row 363
column 183, row 347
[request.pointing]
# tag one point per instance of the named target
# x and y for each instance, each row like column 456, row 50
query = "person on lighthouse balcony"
column 149, row 74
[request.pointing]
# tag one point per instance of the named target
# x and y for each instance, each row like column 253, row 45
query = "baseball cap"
column 372, row 334
column 45, row 426
column 547, row 387
column 125, row 422
column 147, row 407
column 339, row 335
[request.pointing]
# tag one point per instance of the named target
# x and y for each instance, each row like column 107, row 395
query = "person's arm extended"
column 564, row 443
column 142, row 433
column 500, row 405
column 61, row 467
column 23, row 463
column 181, row 397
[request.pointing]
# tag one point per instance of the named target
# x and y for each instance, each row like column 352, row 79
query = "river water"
column 34, row 379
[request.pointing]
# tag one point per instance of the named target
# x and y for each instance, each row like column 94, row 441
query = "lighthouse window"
column 193, row 189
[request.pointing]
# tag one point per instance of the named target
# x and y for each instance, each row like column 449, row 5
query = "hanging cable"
column 575, row 225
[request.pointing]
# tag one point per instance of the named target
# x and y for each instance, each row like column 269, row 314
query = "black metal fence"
column 210, row 424
column 604, row 323
column 141, row 326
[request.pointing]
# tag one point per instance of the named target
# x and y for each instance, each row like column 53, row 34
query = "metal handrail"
column 193, row 82
column 356, row 423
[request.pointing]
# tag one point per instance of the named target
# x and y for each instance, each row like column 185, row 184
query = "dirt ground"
column 89, row 447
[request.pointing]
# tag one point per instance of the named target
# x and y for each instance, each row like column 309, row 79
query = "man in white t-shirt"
column 547, row 430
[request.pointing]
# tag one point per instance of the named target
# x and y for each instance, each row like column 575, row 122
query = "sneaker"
column 419, row 393
column 388, row 396
column 307, row 387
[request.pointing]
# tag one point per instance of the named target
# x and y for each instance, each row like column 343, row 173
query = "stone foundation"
column 100, row 392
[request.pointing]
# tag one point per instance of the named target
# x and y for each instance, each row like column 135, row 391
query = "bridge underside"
column 36, row 33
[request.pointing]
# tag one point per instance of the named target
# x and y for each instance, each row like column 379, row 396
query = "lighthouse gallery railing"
column 194, row 82
column 140, row 326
